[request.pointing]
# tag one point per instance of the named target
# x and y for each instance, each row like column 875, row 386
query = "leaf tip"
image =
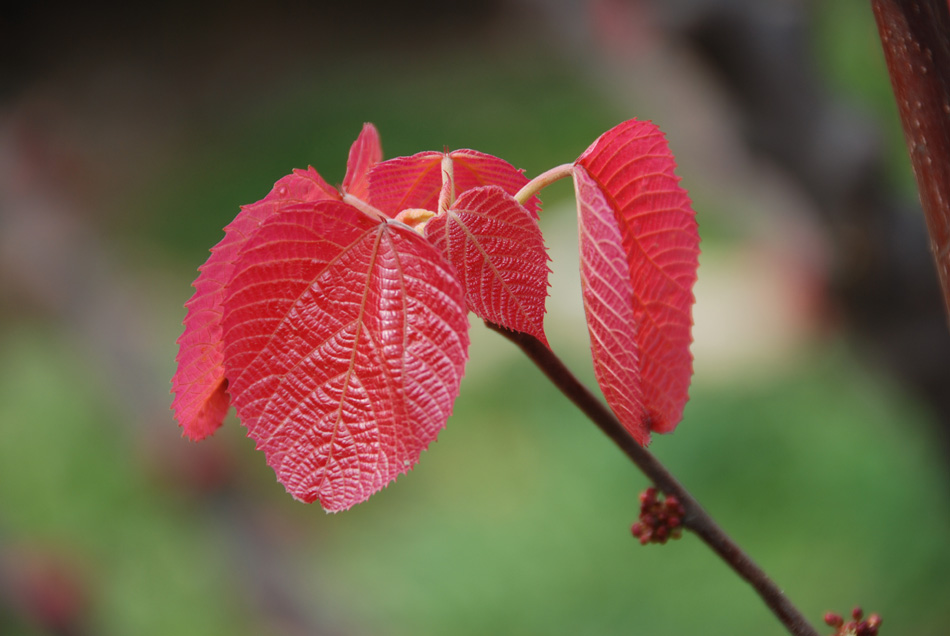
column 204, row 413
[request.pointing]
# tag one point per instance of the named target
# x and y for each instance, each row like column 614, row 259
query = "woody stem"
column 695, row 518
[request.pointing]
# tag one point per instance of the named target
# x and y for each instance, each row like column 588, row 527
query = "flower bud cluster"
column 661, row 517
column 858, row 626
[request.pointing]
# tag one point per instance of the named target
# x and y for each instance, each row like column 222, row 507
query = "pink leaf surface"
column 639, row 255
column 608, row 302
column 365, row 153
column 416, row 181
column 474, row 169
column 406, row 182
column 201, row 399
column 346, row 341
column 497, row 250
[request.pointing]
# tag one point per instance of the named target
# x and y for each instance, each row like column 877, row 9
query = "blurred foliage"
column 848, row 52
column 517, row 520
column 71, row 478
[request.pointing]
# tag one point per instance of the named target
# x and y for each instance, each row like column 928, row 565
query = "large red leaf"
column 346, row 340
column 496, row 247
column 639, row 255
column 416, row 181
column 365, row 153
column 201, row 397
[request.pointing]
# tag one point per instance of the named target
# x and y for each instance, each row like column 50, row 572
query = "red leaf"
column 346, row 340
column 415, row 182
column 406, row 182
column 474, row 169
column 365, row 153
column 496, row 247
column 201, row 398
column 639, row 255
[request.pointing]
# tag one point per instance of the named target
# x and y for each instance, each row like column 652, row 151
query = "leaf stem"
column 543, row 180
column 447, row 194
column 696, row 518
column 364, row 207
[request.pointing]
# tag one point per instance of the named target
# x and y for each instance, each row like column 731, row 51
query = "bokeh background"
column 817, row 432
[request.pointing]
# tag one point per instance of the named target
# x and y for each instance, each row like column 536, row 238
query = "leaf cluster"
column 335, row 319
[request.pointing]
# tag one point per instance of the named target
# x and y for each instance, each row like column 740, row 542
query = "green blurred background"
column 816, row 434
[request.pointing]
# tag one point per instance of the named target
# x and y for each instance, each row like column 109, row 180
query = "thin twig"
column 696, row 518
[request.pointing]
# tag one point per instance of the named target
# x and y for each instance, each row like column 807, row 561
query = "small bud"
column 648, row 496
column 661, row 517
column 833, row 620
column 416, row 218
column 855, row 627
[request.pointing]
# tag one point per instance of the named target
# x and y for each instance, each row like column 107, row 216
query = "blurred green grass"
column 516, row 520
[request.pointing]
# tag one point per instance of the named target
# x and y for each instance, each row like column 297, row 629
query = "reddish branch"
column 695, row 518
column 916, row 41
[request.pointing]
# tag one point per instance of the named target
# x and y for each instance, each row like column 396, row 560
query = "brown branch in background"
column 916, row 41
column 696, row 518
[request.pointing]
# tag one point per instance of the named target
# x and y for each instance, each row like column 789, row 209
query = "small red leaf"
column 474, row 169
column 416, row 181
column 346, row 340
column 201, row 399
column 365, row 153
column 639, row 254
column 496, row 247
column 406, row 182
